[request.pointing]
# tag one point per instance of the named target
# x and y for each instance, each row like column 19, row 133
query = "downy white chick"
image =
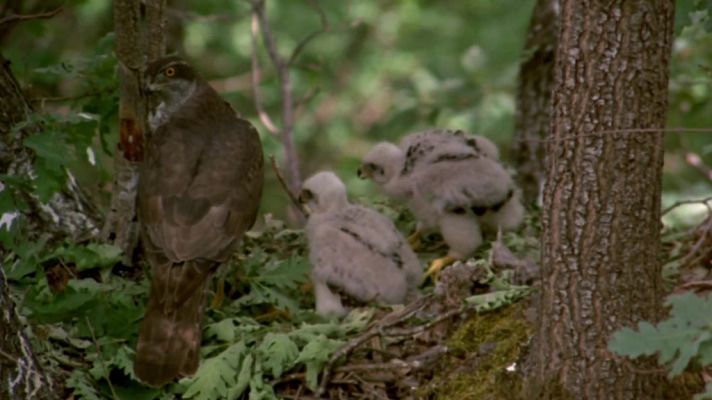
column 452, row 182
column 354, row 249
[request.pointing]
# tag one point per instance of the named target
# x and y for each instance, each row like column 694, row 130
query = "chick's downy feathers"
column 453, row 182
column 354, row 250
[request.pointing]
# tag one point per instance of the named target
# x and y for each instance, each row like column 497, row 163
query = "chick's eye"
column 169, row 72
column 306, row 196
column 374, row 168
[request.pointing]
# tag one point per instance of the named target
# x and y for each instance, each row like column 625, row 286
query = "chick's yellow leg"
column 436, row 266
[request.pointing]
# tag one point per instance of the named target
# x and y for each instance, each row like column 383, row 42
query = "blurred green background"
column 382, row 69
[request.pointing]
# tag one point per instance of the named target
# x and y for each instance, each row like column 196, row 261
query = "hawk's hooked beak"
column 152, row 87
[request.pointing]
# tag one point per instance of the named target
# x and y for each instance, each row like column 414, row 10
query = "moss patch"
column 481, row 349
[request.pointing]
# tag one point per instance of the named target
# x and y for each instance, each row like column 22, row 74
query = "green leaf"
column 243, row 378
column 27, row 260
column 627, row 342
column 314, row 355
column 286, row 274
column 44, row 144
column 216, row 374
column 685, row 336
column 82, row 386
column 67, row 305
column 278, row 353
column 229, row 329
column 50, row 179
column 92, row 255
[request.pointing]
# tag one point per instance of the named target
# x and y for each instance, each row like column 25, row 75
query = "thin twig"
column 376, row 328
column 695, row 161
column 282, row 68
column 422, row 328
column 305, row 99
column 690, row 258
column 683, row 202
column 418, row 362
column 299, row 206
column 43, row 100
column 8, row 356
column 256, row 77
column 302, row 44
column 27, row 17
column 101, row 356
column 697, row 285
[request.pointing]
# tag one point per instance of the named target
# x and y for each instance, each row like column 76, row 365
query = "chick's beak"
column 362, row 173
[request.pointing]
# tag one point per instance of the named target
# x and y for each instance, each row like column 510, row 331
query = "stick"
column 287, row 132
column 256, row 76
column 683, row 202
column 43, row 15
column 422, row 328
column 302, row 44
column 299, row 206
column 101, row 355
column 376, row 328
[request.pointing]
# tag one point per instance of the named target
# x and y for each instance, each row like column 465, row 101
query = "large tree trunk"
column 139, row 30
column 64, row 216
column 536, row 78
column 21, row 376
column 601, row 218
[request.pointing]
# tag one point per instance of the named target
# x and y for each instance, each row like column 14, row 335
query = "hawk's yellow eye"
column 169, row 72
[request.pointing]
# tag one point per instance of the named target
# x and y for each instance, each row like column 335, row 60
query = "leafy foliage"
column 683, row 339
column 372, row 76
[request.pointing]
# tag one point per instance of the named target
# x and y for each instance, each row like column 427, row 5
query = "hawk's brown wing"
column 199, row 191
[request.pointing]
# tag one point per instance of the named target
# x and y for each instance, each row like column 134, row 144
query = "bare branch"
column 695, row 160
column 43, row 15
column 282, row 68
column 299, row 206
column 256, row 76
column 324, row 28
column 376, row 328
column 683, row 202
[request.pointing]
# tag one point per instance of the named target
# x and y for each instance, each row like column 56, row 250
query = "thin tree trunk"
column 601, row 218
column 536, row 78
column 139, row 30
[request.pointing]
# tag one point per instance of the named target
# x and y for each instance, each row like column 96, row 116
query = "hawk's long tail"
column 169, row 339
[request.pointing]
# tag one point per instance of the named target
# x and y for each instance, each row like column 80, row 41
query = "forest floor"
column 465, row 337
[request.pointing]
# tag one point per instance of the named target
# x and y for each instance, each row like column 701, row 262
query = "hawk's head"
column 169, row 75
column 169, row 82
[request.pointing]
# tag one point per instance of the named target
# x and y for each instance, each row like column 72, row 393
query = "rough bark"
column 66, row 214
column 601, row 218
column 536, row 78
column 21, row 376
column 139, row 30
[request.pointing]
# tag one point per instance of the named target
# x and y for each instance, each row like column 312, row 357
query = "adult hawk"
column 199, row 191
